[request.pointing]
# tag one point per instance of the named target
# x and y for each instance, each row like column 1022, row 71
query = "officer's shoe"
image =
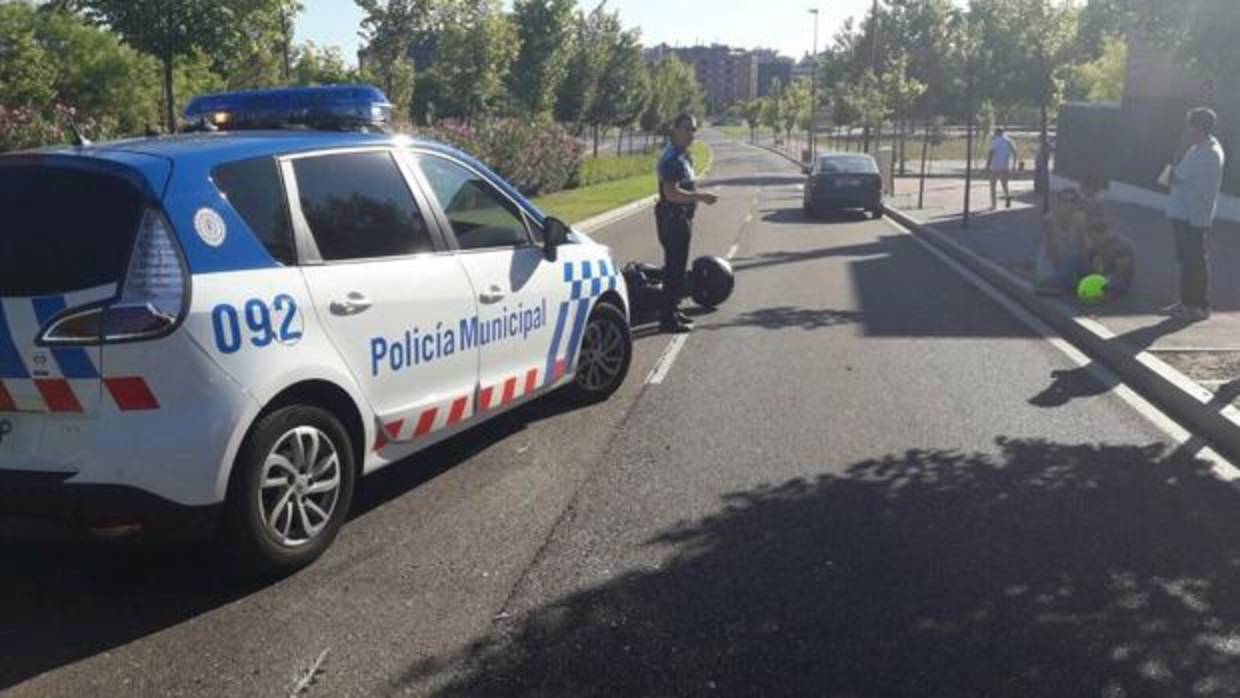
column 674, row 325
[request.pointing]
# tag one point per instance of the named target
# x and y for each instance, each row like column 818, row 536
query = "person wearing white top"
column 1001, row 161
column 1195, row 185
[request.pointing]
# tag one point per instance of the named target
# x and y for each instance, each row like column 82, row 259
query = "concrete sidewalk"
column 1207, row 353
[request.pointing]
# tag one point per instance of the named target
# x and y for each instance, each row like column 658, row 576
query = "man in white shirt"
column 1000, row 163
column 1195, row 185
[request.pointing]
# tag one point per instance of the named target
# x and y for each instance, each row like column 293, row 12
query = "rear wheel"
column 291, row 490
column 605, row 355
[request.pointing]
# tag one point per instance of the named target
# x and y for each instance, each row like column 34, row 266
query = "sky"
column 785, row 25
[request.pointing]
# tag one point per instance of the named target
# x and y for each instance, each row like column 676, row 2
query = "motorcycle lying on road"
column 709, row 282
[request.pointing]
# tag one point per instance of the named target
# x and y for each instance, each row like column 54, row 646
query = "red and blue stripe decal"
column 52, row 391
column 587, row 280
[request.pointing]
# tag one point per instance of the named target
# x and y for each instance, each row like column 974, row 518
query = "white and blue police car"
column 231, row 326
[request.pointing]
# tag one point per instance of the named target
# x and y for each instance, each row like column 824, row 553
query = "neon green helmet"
column 1092, row 290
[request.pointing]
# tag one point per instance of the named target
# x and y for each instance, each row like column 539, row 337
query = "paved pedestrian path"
column 1208, row 351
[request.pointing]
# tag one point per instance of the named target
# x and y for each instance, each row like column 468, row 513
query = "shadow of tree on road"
column 789, row 317
column 1049, row 570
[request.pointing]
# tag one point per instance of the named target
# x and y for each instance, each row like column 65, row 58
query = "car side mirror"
column 555, row 233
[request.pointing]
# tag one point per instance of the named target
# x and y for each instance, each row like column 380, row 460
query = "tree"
column 773, row 108
column 27, row 72
column 102, row 79
column 751, row 111
column 797, row 108
column 1102, row 79
column 593, row 36
column 166, row 30
column 477, row 45
column 673, row 89
column 286, row 14
column 314, row 65
column 389, row 28
column 544, row 32
column 622, row 87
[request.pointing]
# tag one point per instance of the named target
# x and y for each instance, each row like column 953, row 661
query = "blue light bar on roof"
column 335, row 106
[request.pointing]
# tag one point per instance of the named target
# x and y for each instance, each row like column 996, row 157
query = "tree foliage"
column 477, row 45
column 168, row 31
column 544, row 34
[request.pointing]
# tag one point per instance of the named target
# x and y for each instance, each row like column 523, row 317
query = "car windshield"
column 846, row 164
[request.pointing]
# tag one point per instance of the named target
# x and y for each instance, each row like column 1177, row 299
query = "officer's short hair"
column 1203, row 119
column 685, row 120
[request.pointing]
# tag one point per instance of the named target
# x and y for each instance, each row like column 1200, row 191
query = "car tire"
column 604, row 357
column 876, row 213
column 273, row 528
column 807, row 211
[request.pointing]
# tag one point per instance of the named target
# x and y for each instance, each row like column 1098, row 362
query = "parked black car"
column 844, row 181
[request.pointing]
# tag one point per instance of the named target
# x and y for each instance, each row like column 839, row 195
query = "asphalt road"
column 860, row 478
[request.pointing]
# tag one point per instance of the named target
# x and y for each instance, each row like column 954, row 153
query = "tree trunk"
column 595, row 127
column 1046, row 190
column 968, row 168
column 287, row 44
column 620, row 143
column 895, row 147
column 925, row 155
column 170, row 117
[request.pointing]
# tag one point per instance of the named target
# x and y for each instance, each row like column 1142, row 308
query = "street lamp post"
column 813, row 91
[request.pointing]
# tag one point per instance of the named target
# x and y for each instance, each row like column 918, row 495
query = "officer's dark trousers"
column 675, row 232
column 1190, row 247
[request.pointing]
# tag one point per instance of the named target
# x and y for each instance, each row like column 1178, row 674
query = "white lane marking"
column 664, row 365
column 733, row 250
column 1221, row 467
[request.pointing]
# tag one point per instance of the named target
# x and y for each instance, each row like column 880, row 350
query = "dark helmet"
column 712, row 281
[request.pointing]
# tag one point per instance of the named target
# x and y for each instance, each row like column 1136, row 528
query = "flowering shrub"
column 28, row 127
column 536, row 157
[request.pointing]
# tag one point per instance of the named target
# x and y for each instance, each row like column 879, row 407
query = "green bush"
column 27, row 127
column 608, row 169
column 536, row 157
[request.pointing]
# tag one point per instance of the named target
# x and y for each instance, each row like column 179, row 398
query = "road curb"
column 778, row 152
column 1188, row 403
column 616, row 214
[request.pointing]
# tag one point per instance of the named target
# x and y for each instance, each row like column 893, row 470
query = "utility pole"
column 813, row 91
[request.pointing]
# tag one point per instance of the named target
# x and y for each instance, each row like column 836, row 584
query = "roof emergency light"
column 330, row 107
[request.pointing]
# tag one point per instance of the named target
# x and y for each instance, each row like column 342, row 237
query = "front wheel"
column 605, row 355
column 290, row 491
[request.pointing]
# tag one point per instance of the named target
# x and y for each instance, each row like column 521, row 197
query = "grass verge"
column 576, row 205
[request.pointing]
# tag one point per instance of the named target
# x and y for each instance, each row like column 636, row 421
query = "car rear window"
column 64, row 229
column 847, row 164
column 254, row 188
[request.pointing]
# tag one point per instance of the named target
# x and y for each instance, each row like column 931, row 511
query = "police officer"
column 678, row 200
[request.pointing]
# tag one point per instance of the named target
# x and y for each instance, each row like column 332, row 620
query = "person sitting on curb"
column 1090, row 200
column 1112, row 256
column 1063, row 259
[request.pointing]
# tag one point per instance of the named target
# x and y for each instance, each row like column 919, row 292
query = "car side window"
column 255, row 190
column 358, row 206
column 480, row 215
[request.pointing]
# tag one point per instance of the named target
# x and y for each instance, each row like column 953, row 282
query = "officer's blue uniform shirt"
column 676, row 165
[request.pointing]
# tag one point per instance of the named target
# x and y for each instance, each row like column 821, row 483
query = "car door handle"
column 354, row 303
column 494, row 295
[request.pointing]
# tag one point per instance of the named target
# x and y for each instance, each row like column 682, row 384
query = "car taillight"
column 151, row 302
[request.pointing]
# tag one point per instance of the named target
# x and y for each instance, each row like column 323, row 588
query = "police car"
column 231, row 326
